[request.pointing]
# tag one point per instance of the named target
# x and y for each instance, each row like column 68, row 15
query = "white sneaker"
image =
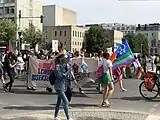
column 56, row 118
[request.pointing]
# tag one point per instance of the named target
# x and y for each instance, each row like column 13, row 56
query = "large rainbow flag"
column 124, row 55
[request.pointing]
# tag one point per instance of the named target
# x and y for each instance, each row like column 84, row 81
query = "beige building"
column 56, row 15
column 29, row 9
column 71, row 37
column 152, row 33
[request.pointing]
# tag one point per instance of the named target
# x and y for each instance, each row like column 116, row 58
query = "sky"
column 112, row 11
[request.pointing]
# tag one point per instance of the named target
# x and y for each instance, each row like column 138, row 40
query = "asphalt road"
column 27, row 101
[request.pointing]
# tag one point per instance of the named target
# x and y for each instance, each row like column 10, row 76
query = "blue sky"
column 109, row 11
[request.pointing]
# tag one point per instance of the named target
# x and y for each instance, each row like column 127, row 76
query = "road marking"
column 153, row 108
column 153, row 117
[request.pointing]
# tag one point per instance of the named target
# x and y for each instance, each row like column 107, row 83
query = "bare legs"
column 107, row 93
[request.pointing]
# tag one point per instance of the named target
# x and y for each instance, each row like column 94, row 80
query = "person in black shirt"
column 10, row 64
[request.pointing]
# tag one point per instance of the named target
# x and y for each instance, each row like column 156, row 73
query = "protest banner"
column 39, row 71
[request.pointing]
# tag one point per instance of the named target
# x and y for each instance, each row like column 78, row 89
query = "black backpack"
column 52, row 78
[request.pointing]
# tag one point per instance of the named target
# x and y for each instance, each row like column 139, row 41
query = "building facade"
column 70, row 37
column 31, row 10
column 152, row 33
column 55, row 15
column 126, row 29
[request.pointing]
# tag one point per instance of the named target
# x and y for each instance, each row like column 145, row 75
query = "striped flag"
column 124, row 55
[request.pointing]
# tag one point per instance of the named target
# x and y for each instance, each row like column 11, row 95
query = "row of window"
column 126, row 32
column 75, row 49
column 7, row 1
column 77, row 43
column 7, row 10
column 61, row 33
column 78, row 34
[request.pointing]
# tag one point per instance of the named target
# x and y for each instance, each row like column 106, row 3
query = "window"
column 65, row 43
column 76, row 33
column 73, row 49
column 30, row 12
column 73, row 33
column 118, row 28
column 12, row 1
column 60, row 33
column 65, row 33
column 80, row 34
column 55, row 33
column 75, row 43
column 12, row 10
column 7, row 10
column 78, row 43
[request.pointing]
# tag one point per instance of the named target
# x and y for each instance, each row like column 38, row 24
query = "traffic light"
column 41, row 17
column 145, row 27
column 139, row 26
column 20, row 13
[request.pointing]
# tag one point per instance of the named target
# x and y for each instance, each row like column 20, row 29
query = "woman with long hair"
column 107, row 79
column 61, row 83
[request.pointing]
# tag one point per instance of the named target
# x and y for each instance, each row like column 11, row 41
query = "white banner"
column 39, row 71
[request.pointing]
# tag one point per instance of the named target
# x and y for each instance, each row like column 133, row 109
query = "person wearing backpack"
column 107, row 78
column 60, row 85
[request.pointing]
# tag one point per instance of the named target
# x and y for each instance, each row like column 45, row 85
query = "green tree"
column 8, row 30
column 138, row 43
column 96, row 39
column 32, row 36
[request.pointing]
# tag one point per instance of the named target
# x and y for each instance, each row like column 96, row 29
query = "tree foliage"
column 96, row 39
column 32, row 36
column 137, row 43
column 8, row 29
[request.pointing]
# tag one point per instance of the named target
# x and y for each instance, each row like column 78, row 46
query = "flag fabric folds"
column 124, row 55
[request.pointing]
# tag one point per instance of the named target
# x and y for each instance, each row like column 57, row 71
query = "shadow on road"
column 30, row 107
column 23, row 91
column 94, row 118
column 47, row 107
column 137, row 98
column 80, row 105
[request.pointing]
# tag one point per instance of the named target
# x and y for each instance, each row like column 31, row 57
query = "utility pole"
column 20, row 32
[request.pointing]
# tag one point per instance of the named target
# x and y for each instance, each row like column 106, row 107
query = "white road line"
column 153, row 117
column 153, row 108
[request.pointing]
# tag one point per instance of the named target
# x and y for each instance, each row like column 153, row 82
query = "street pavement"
column 30, row 104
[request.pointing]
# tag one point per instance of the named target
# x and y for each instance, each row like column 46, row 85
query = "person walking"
column 60, row 86
column 99, row 58
column 10, row 64
column 107, row 79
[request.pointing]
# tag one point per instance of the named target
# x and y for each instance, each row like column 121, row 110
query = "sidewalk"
column 82, row 114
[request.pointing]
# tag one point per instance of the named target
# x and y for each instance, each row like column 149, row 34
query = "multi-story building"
column 30, row 10
column 56, row 15
column 152, row 33
column 126, row 29
column 69, row 36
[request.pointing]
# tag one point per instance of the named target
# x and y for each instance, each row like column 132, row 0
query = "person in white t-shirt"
column 20, row 64
column 107, row 79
